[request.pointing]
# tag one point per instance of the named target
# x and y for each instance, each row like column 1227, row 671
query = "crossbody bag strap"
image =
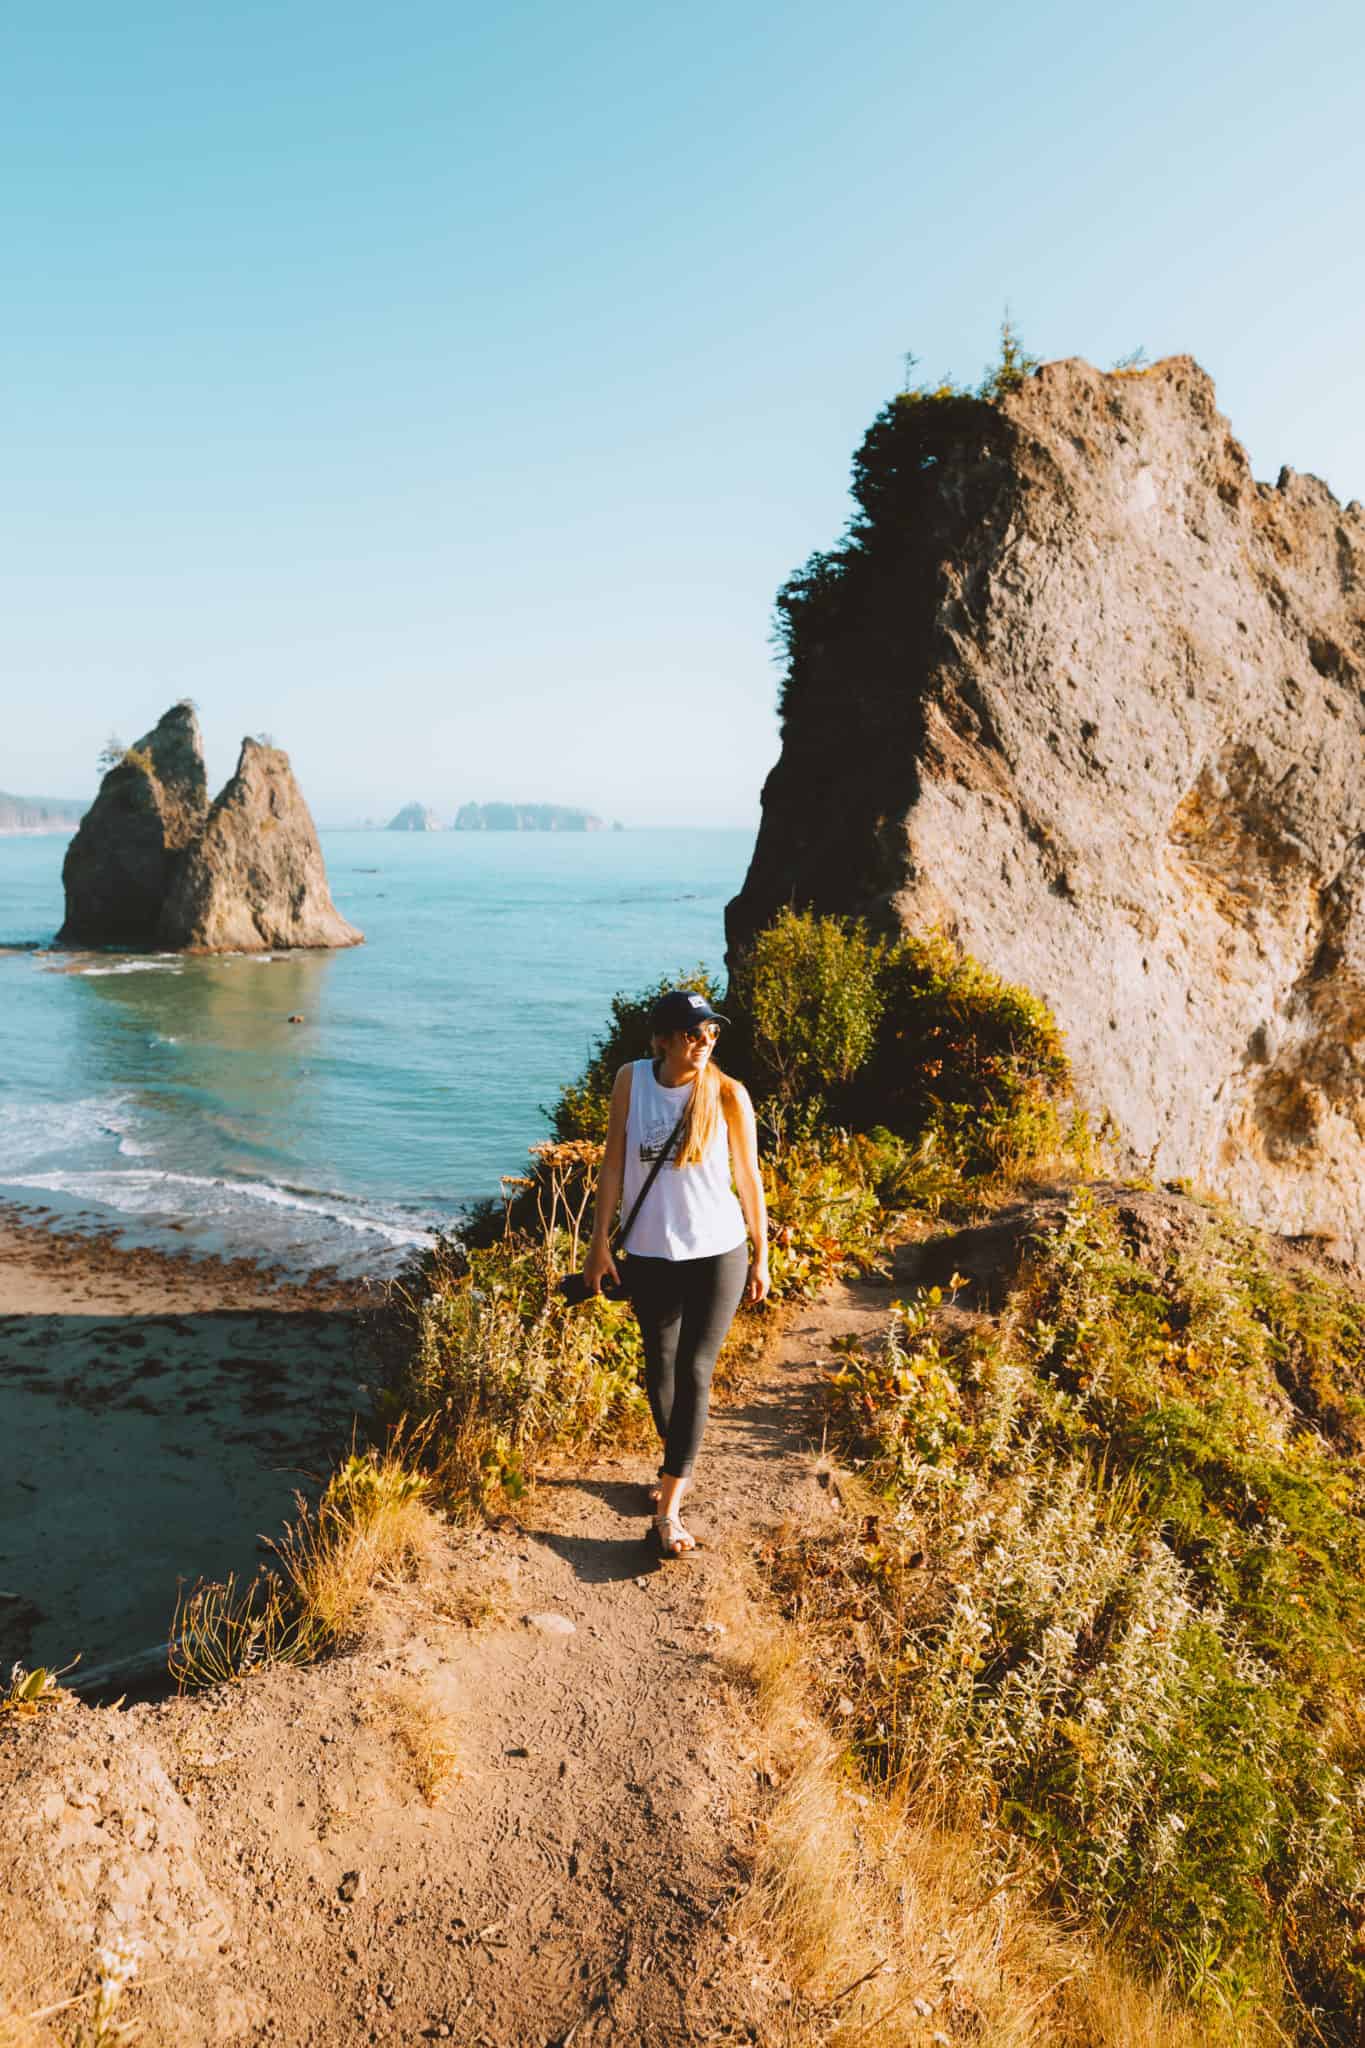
column 618, row 1243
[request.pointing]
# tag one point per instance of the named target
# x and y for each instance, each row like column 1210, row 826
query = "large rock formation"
column 151, row 806
column 154, row 865
column 1081, row 691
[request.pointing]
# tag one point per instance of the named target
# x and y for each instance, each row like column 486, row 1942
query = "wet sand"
column 157, row 1412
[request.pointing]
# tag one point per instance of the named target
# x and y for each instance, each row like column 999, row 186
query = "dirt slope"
column 271, row 1847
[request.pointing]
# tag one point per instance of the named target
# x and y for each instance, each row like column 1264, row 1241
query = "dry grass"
column 890, row 1928
column 93, row 2018
column 371, row 1526
column 425, row 1733
column 18, row 2032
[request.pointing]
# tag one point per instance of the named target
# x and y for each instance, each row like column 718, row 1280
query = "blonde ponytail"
column 702, row 1117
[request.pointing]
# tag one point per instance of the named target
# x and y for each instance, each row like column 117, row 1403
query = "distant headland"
column 40, row 813
column 416, row 817
column 525, row 818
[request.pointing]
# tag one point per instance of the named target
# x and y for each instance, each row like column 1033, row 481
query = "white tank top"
column 691, row 1212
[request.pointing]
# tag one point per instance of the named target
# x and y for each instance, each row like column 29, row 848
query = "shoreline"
column 163, row 1407
column 97, row 1263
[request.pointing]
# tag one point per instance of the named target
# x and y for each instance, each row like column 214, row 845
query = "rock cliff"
column 154, row 865
column 150, row 807
column 1081, row 691
column 414, row 818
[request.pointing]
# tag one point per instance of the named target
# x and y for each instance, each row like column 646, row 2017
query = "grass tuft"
column 371, row 1523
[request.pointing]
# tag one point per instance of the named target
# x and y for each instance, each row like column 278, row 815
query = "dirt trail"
column 271, row 1848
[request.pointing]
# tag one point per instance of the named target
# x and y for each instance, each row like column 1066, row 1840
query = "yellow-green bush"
column 1114, row 1604
column 808, row 996
column 963, row 1053
column 908, row 1035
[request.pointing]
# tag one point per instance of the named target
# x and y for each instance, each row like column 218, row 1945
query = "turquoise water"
column 171, row 1097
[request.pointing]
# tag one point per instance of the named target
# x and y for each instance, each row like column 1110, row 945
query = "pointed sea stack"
column 254, row 879
column 151, row 807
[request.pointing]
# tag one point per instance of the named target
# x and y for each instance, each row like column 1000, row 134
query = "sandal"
column 653, row 1492
column 674, row 1540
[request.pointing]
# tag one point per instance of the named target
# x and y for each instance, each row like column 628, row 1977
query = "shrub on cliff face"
column 1113, row 1604
column 967, row 1055
column 840, row 596
column 807, row 998
column 908, row 1036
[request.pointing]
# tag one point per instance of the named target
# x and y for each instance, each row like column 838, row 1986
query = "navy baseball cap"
column 681, row 1008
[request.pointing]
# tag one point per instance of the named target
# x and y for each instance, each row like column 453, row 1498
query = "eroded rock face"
column 153, row 866
column 254, row 878
column 120, row 864
column 1084, row 693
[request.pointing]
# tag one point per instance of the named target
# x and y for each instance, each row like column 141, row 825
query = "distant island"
column 414, row 818
column 525, row 818
column 41, row 813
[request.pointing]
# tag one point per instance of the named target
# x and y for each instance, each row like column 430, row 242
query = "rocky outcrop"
column 254, row 879
column 151, row 806
column 1082, row 692
column 154, row 866
column 414, row 818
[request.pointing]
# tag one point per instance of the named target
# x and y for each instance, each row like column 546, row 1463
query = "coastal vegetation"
column 1087, row 1628
column 1103, row 1602
column 1098, row 1611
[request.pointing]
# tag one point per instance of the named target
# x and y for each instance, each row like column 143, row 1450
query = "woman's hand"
column 598, row 1264
column 758, row 1285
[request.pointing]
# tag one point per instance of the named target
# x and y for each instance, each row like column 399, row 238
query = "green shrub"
column 809, row 995
column 1115, row 1606
column 963, row 1053
column 907, row 1036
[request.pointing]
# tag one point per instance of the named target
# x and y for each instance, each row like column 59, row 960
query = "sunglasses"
column 698, row 1032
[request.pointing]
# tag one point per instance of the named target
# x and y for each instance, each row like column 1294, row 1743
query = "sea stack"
column 151, row 806
column 1083, row 693
column 414, row 818
column 154, row 866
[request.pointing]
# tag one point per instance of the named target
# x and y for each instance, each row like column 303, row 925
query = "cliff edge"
column 1081, row 691
column 153, row 865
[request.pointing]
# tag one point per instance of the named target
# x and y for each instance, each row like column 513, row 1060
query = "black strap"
column 618, row 1243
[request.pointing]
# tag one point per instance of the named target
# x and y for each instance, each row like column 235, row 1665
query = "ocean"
column 172, row 1099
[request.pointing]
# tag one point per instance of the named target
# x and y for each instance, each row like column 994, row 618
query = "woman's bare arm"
column 610, row 1181
column 743, row 1132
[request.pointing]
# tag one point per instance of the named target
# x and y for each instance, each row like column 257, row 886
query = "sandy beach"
column 157, row 1411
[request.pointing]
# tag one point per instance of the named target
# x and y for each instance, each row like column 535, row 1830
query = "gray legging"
column 684, row 1308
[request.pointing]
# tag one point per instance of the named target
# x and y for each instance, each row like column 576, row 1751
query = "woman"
column 688, row 1266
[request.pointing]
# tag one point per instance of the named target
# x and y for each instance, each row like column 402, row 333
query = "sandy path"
column 271, row 1847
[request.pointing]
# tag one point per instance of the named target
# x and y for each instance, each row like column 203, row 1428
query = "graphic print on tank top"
column 657, row 1122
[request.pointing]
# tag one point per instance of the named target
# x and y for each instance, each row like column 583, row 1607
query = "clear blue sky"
column 447, row 389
